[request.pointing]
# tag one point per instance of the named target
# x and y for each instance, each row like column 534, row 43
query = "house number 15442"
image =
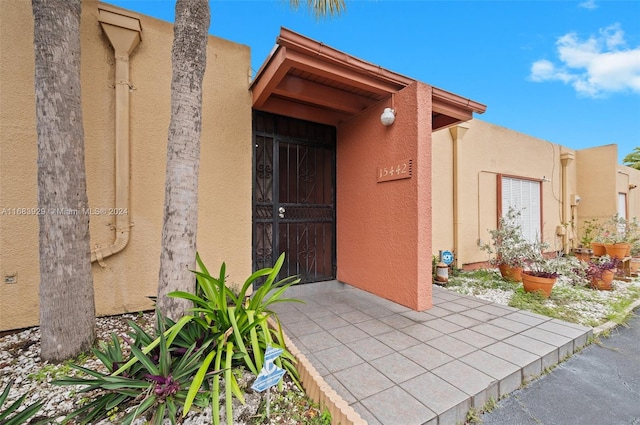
column 395, row 171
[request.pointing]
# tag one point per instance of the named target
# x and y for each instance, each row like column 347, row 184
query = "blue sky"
column 563, row 71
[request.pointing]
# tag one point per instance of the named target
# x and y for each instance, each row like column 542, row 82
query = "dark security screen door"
column 294, row 196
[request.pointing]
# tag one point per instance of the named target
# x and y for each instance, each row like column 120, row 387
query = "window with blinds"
column 622, row 205
column 524, row 196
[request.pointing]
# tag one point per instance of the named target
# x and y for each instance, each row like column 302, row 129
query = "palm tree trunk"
column 67, row 309
column 178, row 252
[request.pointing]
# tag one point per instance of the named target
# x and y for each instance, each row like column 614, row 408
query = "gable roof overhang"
column 305, row 79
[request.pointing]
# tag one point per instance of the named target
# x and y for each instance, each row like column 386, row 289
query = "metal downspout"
column 566, row 159
column 123, row 33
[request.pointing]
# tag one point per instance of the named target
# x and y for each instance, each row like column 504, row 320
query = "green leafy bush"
column 153, row 383
column 508, row 245
column 240, row 324
column 164, row 375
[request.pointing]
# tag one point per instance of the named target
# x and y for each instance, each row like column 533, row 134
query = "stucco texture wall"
column 597, row 176
column 224, row 228
column 384, row 229
column 485, row 151
column 601, row 180
column 632, row 185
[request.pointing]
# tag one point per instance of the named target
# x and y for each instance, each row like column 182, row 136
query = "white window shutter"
column 622, row 205
column 524, row 196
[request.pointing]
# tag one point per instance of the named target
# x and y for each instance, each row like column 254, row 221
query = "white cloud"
column 589, row 4
column 596, row 66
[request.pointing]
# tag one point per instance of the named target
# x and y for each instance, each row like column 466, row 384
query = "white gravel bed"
column 20, row 361
column 591, row 305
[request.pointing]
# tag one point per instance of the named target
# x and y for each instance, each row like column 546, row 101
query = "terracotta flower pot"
column 543, row 285
column 634, row 265
column 583, row 254
column 513, row 274
column 617, row 250
column 598, row 249
column 605, row 282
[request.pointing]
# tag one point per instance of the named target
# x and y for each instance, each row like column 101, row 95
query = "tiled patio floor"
column 395, row 366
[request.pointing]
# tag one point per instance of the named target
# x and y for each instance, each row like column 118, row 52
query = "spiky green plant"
column 154, row 381
column 241, row 325
column 167, row 372
column 12, row 415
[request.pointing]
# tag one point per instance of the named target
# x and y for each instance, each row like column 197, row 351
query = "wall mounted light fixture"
column 388, row 116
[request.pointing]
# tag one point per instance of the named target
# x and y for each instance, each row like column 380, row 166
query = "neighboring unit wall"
column 629, row 181
column 485, row 151
column 597, row 179
column 384, row 229
column 602, row 181
column 130, row 276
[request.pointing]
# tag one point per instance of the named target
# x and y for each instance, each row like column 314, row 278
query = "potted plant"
column 583, row 254
column 592, row 237
column 634, row 265
column 508, row 248
column 601, row 271
column 589, row 232
column 540, row 273
column 619, row 235
column 632, row 236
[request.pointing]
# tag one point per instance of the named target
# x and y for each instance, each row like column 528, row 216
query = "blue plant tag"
column 270, row 373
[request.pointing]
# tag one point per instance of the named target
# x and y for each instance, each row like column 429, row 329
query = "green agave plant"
column 154, row 382
column 11, row 415
column 241, row 325
column 181, row 365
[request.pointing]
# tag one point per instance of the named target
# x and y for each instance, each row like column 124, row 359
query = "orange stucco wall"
column 384, row 229
column 130, row 276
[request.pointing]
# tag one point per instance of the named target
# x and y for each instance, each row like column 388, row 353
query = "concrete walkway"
column 396, row 366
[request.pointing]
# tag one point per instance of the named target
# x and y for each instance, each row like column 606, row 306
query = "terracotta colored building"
column 369, row 223
column 303, row 165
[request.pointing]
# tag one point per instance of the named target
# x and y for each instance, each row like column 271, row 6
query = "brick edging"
column 319, row 391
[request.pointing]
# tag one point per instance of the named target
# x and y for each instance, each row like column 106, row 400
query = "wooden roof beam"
column 302, row 111
column 269, row 77
column 322, row 95
column 341, row 75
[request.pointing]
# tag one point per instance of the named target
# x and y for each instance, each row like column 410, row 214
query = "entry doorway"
column 294, row 196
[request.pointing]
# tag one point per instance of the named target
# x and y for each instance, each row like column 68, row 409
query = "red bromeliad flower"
column 165, row 386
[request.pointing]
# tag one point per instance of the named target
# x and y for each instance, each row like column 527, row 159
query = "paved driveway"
column 599, row 386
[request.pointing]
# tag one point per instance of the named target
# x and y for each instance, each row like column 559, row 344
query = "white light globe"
column 388, row 117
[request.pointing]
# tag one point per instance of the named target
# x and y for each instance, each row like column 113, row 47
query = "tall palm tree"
column 67, row 310
column 633, row 159
column 180, row 224
column 179, row 230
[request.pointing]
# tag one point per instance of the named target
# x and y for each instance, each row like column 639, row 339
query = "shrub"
column 508, row 244
column 600, row 265
column 163, row 375
column 241, row 326
column 153, row 382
